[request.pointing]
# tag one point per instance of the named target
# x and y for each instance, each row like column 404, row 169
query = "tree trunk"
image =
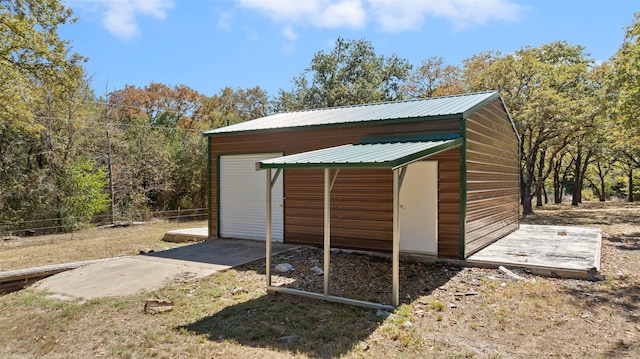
column 538, row 194
column 582, row 162
column 525, row 198
column 601, row 173
column 596, row 189
column 557, row 184
column 577, row 188
column 540, row 181
column 527, row 209
column 631, row 184
column 583, row 171
column 563, row 179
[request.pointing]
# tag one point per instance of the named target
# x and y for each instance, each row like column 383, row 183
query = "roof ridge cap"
column 370, row 104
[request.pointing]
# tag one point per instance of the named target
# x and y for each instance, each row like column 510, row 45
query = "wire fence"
column 65, row 225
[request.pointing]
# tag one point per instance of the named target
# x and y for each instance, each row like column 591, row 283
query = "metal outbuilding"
column 437, row 177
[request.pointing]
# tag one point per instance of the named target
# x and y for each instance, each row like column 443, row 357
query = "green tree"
column 83, row 194
column 31, row 53
column 626, row 77
column 35, row 163
column 433, row 78
column 352, row 73
column 233, row 106
column 43, row 115
column 141, row 162
column 628, row 155
column 541, row 87
column 159, row 154
column 592, row 138
column 624, row 91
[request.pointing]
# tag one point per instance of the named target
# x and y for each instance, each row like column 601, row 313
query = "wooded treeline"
column 77, row 157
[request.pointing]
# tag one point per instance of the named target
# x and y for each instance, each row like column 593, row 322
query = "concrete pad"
column 118, row 277
column 569, row 252
column 187, row 235
column 130, row 275
column 221, row 252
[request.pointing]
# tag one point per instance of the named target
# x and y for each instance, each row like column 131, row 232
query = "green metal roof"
column 439, row 107
column 366, row 155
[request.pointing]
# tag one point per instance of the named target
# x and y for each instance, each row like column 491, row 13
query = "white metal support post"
column 327, row 228
column 268, row 236
column 395, row 300
column 270, row 183
column 329, row 180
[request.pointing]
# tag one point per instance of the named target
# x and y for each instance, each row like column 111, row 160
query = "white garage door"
column 243, row 200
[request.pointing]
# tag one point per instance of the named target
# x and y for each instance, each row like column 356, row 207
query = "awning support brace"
column 275, row 179
column 334, row 175
column 403, row 172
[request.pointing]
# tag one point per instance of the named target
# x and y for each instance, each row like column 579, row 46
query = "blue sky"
column 211, row 44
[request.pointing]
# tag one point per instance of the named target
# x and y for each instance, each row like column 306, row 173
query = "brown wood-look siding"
column 361, row 208
column 492, row 162
column 449, row 203
column 361, row 199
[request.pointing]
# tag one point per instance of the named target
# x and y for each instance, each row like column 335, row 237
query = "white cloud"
column 282, row 10
column 391, row 15
column 319, row 13
column 344, row 13
column 407, row 15
column 289, row 33
column 224, row 20
column 119, row 16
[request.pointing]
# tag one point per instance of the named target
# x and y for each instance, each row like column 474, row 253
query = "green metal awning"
column 391, row 155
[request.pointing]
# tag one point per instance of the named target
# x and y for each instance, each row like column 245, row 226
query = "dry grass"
column 89, row 244
column 229, row 314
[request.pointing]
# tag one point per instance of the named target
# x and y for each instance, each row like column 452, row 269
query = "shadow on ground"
column 225, row 252
column 587, row 214
column 626, row 241
column 290, row 323
column 624, row 295
column 296, row 324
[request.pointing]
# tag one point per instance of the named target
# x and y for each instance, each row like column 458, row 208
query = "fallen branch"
column 465, row 294
column 511, row 274
column 154, row 306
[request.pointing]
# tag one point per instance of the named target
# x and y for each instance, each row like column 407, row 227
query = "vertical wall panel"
column 449, row 203
column 492, row 177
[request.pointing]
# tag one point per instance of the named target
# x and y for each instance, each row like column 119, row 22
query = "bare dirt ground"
column 447, row 312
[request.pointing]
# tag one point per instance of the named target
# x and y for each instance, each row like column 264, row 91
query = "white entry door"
column 242, row 200
column 419, row 208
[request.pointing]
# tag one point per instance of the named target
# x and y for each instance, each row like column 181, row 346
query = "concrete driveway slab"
column 130, row 275
column 117, row 277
